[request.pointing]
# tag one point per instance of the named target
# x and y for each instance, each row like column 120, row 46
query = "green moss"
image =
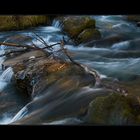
column 26, row 21
column 88, row 35
column 74, row 25
column 21, row 22
column 114, row 109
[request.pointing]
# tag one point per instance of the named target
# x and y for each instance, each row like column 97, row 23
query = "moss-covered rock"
column 21, row 22
column 88, row 35
column 80, row 28
column 114, row 109
column 74, row 25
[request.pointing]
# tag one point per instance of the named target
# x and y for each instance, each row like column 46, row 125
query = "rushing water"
column 119, row 60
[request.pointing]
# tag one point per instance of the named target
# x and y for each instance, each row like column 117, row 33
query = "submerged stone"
column 114, row 109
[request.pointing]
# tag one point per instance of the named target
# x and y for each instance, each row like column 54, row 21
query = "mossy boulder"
column 34, row 71
column 73, row 25
column 88, row 35
column 114, row 109
column 80, row 28
column 21, row 22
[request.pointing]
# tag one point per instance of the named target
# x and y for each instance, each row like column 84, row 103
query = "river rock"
column 114, row 109
column 89, row 34
column 8, row 23
column 80, row 28
column 34, row 71
column 18, row 39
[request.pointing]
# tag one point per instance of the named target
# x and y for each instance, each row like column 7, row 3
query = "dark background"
column 93, row 7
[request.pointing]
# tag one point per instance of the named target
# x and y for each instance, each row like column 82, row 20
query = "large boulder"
column 21, row 22
column 80, row 28
column 74, row 25
column 89, row 34
column 34, row 71
column 114, row 109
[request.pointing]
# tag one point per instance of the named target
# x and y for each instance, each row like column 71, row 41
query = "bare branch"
column 51, row 45
column 16, row 45
column 14, row 51
column 41, row 39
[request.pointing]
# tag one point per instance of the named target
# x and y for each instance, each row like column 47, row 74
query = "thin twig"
column 14, row 51
column 16, row 45
column 52, row 45
column 41, row 39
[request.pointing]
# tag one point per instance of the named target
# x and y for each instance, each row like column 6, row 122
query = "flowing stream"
column 120, row 60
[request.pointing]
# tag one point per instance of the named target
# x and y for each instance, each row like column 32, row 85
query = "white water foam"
column 3, row 85
column 3, row 47
column 70, row 121
column 57, row 24
column 121, row 45
column 50, row 29
column 6, row 119
column 102, row 76
column 82, row 48
column 7, row 75
column 20, row 114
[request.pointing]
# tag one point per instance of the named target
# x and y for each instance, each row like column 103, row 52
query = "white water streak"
column 20, row 114
column 121, row 45
column 6, row 119
column 7, row 75
column 66, row 121
column 57, row 24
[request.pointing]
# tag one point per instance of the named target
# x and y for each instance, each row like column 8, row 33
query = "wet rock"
column 18, row 39
column 21, row 59
column 88, row 35
column 114, row 109
column 34, row 75
column 74, row 25
column 80, row 28
column 8, row 23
